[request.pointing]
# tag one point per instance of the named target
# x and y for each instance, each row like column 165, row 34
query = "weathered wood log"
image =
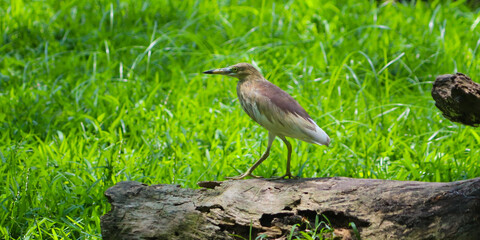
column 458, row 97
column 380, row 209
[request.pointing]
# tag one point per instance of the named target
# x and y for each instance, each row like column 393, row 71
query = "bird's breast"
column 246, row 99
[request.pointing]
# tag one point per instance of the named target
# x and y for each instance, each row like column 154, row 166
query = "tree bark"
column 380, row 209
column 458, row 97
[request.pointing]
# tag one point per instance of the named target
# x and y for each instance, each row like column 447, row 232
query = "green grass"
column 306, row 230
column 97, row 92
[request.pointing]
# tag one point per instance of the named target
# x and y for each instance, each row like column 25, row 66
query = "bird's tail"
column 319, row 136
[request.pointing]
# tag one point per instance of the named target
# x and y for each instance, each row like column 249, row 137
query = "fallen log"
column 458, row 97
column 380, row 209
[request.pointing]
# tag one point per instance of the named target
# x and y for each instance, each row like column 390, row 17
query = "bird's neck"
column 252, row 78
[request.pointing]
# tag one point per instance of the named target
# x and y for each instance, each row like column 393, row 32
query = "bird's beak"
column 222, row 71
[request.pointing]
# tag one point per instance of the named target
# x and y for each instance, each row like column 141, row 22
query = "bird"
column 274, row 109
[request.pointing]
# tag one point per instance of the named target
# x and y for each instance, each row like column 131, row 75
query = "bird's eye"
column 234, row 69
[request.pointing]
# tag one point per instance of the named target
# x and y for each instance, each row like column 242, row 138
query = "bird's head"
column 239, row 70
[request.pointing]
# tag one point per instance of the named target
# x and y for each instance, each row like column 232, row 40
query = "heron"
column 274, row 109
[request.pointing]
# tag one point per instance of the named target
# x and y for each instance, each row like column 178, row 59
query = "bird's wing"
column 278, row 112
column 282, row 99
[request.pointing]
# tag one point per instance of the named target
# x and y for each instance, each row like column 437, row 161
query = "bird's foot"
column 288, row 174
column 247, row 174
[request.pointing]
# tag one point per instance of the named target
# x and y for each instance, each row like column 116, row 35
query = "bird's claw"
column 289, row 175
column 243, row 176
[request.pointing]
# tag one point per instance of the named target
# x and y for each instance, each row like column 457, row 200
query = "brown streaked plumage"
column 273, row 109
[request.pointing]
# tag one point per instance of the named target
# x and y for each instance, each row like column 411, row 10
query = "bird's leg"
column 289, row 156
column 271, row 137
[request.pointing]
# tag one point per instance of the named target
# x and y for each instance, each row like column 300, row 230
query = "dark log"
column 458, row 97
column 380, row 209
